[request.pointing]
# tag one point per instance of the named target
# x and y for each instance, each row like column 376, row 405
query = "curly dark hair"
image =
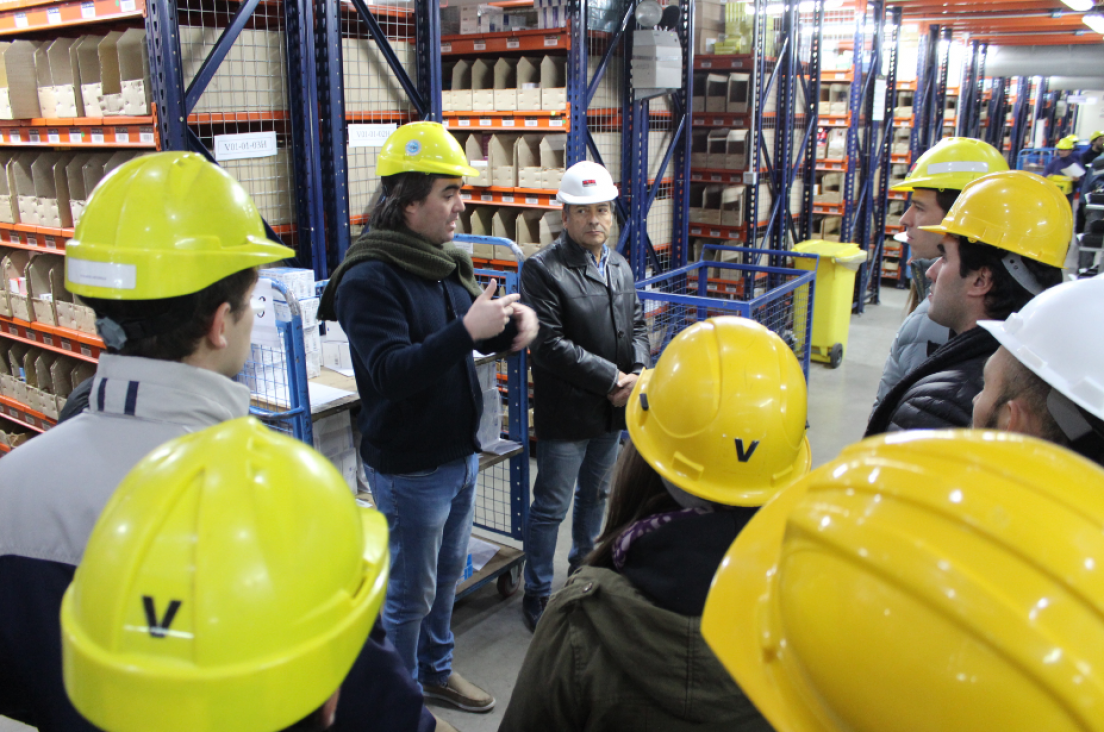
column 1006, row 296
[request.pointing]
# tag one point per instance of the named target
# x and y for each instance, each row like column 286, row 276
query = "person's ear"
column 220, row 323
column 981, row 282
column 1015, row 417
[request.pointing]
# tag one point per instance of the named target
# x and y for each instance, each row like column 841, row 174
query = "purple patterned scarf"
column 646, row 526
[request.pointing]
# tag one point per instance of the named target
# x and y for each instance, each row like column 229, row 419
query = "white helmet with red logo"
column 586, row 183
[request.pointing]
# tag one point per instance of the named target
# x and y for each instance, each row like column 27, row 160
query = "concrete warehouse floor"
column 490, row 638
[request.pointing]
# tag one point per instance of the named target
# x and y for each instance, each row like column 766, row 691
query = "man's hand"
column 619, row 397
column 487, row 318
column 527, row 324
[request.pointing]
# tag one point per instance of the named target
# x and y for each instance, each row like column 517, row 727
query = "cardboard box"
column 18, row 359
column 469, row 19
column 527, row 160
column 45, row 276
column 20, row 100
column 505, row 84
column 739, row 93
column 716, row 149
column 699, row 147
column 110, row 79
column 21, row 180
column 462, row 86
column 503, row 170
column 553, row 151
column 45, row 186
column 47, row 100
column 831, row 188
column 553, row 83
column 736, row 150
column 337, row 355
column 134, row 72
column 504, row 223
column 46, row 397
column 712, row 198
column 732, row 206
column 483, row 97
column 87, row 50
column 66, row 79
column 476, row 148
column 9, row 208
column 716, row 93
column 482, row 225
column 536, row 230
column 93, row 171
column 74, row 181
column 529, row 83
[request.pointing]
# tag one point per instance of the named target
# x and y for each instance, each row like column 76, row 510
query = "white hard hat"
column 1049, row 337
column 585, row 183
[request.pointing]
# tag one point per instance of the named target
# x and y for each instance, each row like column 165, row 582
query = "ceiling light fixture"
column 1094, row 21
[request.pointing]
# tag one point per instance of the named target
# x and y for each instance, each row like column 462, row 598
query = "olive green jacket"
column 605, row 658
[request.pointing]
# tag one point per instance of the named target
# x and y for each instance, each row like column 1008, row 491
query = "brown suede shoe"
column 462, row 694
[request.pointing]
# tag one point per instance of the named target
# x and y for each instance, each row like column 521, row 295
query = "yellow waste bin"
column 835, row 290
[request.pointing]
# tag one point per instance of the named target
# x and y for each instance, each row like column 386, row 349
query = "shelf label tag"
column 479, row 46
column 707, row 64
column 85, row 350
column 75, row 135
column 34, row 137
column 66, row 345
column 555, row 123
column 15, row 238
column 465, row 196
column 51, row 242
column 97, row 136
column 53, row 137
column 507, row 199
column 128, row 6
column 486, row 197
column 370, row 135
column 446, row 48
column 715, row 177
column 122, row 134
column 48, row 339
column 145, row 134
column 551, row 41
column 245, row 145
column 88, row 10
column 32, row 240
column 485, row 122
column 532, row 200
column 21, row 20
column 465, row 123
column 531, row 123
column 53, row 16
column 509, row 122
column 513, row 43
column 15, row 136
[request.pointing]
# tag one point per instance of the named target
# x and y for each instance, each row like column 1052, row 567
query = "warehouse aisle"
column 491, row 640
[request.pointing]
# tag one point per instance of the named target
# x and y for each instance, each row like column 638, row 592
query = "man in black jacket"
column 1005, row 240
column 592, row 345
column 408, row 299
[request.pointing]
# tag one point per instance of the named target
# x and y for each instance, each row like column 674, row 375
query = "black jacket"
column 588, row 332
column 412, row 359
column 939, row 392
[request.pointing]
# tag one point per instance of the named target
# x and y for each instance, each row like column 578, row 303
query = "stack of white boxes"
column 252, row 77
column 369, row 82
column 299, row 284
column 333, row 437
column 336, row 354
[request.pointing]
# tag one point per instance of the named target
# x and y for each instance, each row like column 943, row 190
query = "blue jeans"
column 429, row 515
column 563, row 465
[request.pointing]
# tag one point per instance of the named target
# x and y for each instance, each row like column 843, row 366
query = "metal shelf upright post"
column 998, row 111
column 973, row 86
column 1020, row 119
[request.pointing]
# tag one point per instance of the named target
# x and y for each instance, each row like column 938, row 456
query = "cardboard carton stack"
column 39, row 379
column 251, row 77
column 370, row 84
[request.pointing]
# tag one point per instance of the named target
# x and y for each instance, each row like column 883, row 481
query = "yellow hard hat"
column 1093, row 136
column 423, row 147
column 165, row 225
column 929, row 580
column 229, row 584
column 1066, row 143
column 952, row 163
column 1016, row 211
column 722, row 414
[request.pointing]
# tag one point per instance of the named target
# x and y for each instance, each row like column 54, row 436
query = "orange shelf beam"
column 60, row 340
column 21, row 414
column 24, row 16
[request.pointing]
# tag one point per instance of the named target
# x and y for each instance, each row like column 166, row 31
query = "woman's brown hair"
column 638, row 492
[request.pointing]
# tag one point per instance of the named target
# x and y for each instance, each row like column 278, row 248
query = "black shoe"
column 532, row 607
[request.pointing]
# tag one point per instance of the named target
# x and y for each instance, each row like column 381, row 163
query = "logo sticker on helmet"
column 159, row 628
column 743, row 456
column 413, row 147
column 590, row 182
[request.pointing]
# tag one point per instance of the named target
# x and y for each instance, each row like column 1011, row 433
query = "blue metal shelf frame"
column 423, row 91
column 809, row 79
column 175, row 103
column 931, row 90
column 998, row 110
column 973, row 87
column 1019, row 119
column 877, row 148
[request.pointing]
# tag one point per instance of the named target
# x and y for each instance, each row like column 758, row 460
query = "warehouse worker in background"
column 939, row 581
column 166, row 254
column 1047, row 378
column 1004, row 242
column 717, row 428
column 1093, row 151
column 934, row 182
column 1063, row 159
column 1088, row 155
column 593, row 344
column 408, row 300
column 186, row 616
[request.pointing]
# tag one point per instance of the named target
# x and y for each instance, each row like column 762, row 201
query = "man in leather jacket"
column 592, row 345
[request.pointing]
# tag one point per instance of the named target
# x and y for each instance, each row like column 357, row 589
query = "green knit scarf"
column 405, row 249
